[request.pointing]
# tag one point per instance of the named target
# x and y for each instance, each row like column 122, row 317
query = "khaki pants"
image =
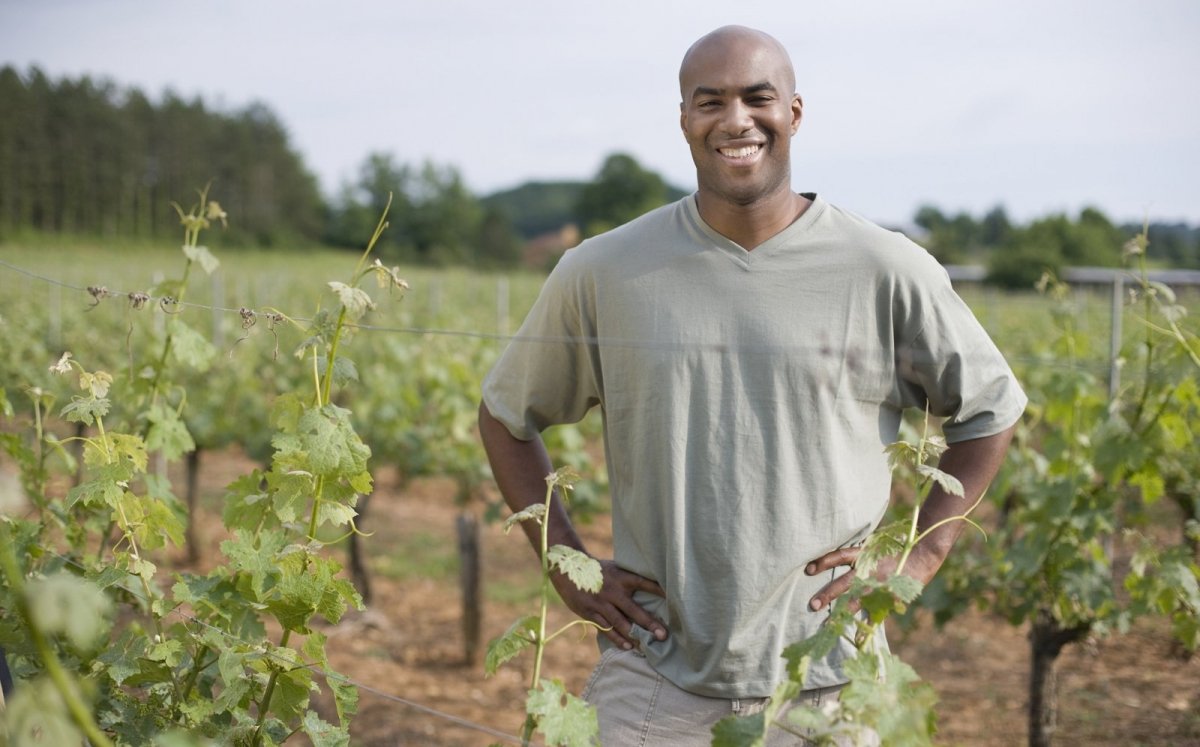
column 638, row 707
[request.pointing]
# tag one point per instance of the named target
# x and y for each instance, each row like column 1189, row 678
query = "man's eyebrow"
column 756, row 88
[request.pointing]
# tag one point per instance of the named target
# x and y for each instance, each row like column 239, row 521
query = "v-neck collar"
column 765, row 250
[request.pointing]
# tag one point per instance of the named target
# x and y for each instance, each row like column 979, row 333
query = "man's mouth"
column 743, row 152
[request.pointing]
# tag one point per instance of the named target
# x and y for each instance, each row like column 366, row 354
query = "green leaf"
column 334, row 514
column 583, row 570
column 345, row 699
column 246, row 504
column 169, row 652
column 505, row 648
column 751, row 731
column 564, row 477
column 168, row 433
column 901, row 454
column 332, row 446
column 814, row 648
column 947, row 481
column 37, row 715
column 238, row 687
column 202, row 256
column 292, row 689
column 1150, row 482
column 355, row 301
column 323, row 734
column 105, row 488
column 344, row 370
column 290, row 493
column 255, row 557
column 885, row 542
column 533, row 512
column 65, row 604
column 562, row 718
column 188, row 346
column 740, row 731
column 85, row 409
column 120, row 659
column 154, row 523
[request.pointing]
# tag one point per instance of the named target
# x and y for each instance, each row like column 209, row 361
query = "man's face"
column 738, row 114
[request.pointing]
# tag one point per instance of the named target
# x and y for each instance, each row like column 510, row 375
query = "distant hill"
column 537, row 208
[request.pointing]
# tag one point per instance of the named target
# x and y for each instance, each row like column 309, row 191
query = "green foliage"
column 192, row 658
column 434, row 218
column 536, row 207
column 86, row 156
column 562, row 718
column 582, row 569
column 1052, row 243
column 1089, row 471
column 621, row 191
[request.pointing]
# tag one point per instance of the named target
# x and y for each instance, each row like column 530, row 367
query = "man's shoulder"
column 633, row 235
column 886, row 250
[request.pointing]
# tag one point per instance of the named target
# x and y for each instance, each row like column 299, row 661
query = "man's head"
column 738, row 112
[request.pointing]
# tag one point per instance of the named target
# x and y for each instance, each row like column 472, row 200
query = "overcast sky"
column 1038, row 105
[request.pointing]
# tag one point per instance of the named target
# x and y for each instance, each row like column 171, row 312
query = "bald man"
column 752, row 350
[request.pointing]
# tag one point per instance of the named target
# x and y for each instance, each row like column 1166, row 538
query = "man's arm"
column 974, row 462
column 520, row 468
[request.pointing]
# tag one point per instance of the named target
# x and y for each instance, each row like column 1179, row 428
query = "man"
column 752, row 349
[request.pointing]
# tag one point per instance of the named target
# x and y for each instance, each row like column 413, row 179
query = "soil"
column 406, row 650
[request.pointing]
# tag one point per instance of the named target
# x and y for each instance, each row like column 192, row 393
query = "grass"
column 422, row 554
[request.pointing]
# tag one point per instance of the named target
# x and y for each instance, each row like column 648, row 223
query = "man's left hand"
column 921, row 565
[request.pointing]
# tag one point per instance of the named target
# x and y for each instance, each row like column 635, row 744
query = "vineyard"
column 243, row 500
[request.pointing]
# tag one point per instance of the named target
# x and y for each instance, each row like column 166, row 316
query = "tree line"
column 1017, row 255
column 88, row 157
column 85, row 156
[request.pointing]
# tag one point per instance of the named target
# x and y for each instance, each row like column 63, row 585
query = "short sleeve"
column 952, row 365
column 550, row 372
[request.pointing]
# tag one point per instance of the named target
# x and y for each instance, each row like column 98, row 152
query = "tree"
column 621, row 191
column 995, row 228
column 1054, row 242
column 498, row 244
column 949, row 240
column 84, row 156
column 445, row 221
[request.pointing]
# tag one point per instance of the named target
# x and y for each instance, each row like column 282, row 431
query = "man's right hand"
column 613, row 608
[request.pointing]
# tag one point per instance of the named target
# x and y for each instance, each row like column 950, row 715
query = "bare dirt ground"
column 406, row 650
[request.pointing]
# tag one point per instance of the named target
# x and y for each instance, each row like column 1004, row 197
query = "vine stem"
column 58, row 675
column 539, row 643
column 197, row 668
column 265, row 704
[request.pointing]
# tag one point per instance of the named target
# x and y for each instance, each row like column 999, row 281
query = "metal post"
column 1114, row 348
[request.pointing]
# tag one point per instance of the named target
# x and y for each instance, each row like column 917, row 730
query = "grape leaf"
column 518, row 636
column 583, row 570
column 561, row 717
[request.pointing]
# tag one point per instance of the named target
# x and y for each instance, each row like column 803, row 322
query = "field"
column 418, row 365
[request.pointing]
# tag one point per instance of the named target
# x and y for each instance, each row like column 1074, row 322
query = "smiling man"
column 752, row 350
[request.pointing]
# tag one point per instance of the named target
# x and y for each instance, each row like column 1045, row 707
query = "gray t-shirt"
column 747, row 399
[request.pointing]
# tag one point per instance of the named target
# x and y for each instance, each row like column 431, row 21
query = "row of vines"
column 1093, row 522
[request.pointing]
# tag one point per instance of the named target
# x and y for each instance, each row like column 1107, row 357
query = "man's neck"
column 751, row 225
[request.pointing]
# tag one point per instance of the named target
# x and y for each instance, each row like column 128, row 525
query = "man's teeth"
column 740, row 152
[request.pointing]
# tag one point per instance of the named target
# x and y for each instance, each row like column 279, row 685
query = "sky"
column 1041, row 106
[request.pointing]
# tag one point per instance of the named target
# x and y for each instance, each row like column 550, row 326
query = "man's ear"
column 682, row 119
column 797, row 111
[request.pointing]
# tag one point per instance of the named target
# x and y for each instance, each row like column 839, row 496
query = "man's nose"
column 737, row 118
